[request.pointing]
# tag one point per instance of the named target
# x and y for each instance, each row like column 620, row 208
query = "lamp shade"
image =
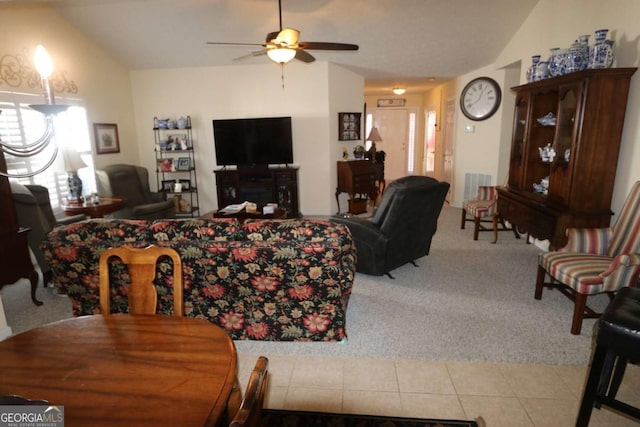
column 72, row 160
column 281, row 55
column 374, row 135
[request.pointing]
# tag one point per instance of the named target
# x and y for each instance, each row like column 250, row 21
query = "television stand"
column 259, row 185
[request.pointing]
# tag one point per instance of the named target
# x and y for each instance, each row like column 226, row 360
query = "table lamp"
column 374, row 136
column 73, row 162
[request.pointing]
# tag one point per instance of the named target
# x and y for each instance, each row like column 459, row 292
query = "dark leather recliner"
column 401, row 228
column 33, row 209
column 132, row 183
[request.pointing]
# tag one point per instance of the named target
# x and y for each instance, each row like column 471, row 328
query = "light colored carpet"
column 467, row 301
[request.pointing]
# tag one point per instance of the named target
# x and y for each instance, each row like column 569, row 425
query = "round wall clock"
column 480, row 98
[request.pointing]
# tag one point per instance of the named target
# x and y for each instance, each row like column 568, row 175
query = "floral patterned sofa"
column 280, row 280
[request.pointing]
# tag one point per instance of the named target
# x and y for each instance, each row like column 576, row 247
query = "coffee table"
column 279, row 213
column 94, row 210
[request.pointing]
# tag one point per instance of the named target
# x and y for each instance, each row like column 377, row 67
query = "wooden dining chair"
column 252, row 403
column 14, row 399
column 141, row 265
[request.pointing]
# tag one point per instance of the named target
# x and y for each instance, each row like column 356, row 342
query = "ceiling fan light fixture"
column 399, row 90
column 281, row 55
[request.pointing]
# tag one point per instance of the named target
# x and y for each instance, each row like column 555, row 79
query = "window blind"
column 21, row 125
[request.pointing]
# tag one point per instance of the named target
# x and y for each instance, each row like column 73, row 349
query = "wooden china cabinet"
column 589, row 108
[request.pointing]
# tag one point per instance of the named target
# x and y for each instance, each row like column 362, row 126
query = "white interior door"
column 393, row 127
column 429, row 165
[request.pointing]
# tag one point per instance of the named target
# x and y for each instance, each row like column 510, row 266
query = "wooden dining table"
column 124, row 370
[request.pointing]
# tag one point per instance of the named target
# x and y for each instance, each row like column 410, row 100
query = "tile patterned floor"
column 509, row 395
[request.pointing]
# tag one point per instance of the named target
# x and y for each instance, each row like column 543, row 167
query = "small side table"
column 94, row 210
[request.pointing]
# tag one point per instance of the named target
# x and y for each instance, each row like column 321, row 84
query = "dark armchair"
column 401, row 228
column 132, row 183
column 33, row 208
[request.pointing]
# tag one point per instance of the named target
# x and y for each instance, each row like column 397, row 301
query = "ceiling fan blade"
column 272, row 35
column 327, row 46
column 304, row 56
column 255, row 53
column 237, row 44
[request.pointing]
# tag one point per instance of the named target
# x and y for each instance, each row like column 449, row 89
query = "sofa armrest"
column 371, row 243
column 66, row 220
column 157, row 210
column 156, row 197
column 623, row 271
column 588, row 240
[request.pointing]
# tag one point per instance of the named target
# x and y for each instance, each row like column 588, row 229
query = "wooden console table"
column 356, row 177
column 261, row 186
column 279, row 213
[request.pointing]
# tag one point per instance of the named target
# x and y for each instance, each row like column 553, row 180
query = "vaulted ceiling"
column 409, row 43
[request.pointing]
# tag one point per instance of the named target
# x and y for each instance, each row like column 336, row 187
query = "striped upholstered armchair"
column 484, row 209
column 595, row 261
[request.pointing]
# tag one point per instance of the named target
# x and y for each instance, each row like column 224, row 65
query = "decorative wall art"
column 394, row 102
column 349, row 126
column 106, row 135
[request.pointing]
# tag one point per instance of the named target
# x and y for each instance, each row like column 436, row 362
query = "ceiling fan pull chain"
column 282, row 74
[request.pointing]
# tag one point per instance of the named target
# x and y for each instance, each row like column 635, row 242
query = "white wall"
column 102, row 82
column 478, row 151
column 346, row 95
column 550, row 24
column 312, row 95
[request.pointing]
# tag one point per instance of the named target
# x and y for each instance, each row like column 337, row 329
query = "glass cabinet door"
column 566, row 129
column 541, row 139
column 516, row 162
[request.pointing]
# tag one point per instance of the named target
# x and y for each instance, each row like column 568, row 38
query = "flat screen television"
column 253, row 142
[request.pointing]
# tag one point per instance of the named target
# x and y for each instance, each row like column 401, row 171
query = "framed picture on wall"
column 106, row 136
column 349, row 126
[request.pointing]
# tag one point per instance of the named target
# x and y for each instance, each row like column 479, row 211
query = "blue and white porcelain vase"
column 601, row 53
column 542, row 71
column 532, row 68
column 182, row 123
column 557, row 62
column 578, row 55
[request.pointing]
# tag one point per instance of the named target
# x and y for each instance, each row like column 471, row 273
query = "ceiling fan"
column 283, row 45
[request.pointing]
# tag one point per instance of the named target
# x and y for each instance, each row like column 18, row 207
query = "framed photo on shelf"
column 349, row 126
column 184, row 164
column 167, row 185
column 106, row 136
column 166, row 165
column 186, row 184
